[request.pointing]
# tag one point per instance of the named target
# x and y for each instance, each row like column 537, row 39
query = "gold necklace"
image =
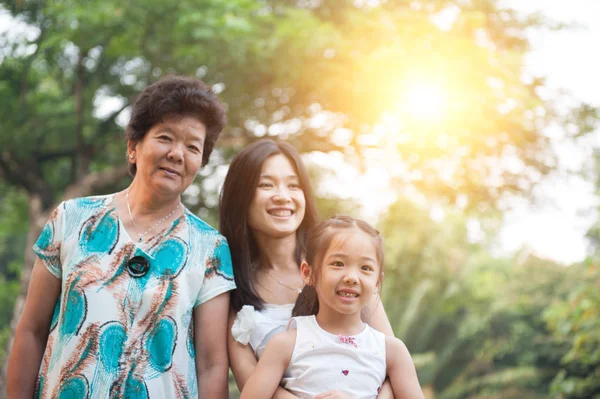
column 141, row 235
column 297, row 289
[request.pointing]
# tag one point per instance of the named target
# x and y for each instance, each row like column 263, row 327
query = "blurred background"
column 466, row 130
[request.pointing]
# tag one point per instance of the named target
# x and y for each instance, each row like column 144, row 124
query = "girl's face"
column 278, row 205
column 349, row 274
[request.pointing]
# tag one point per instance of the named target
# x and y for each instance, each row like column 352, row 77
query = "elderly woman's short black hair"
column 176, row 96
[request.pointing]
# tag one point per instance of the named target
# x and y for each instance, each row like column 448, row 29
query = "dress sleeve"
column 49, row 243
column 218, row 275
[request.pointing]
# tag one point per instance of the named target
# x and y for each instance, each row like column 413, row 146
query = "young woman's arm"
column 32, row 332
column 210, row 342
column 375, row 316
column 243, row 362
column 265, row 378
column 401, row 370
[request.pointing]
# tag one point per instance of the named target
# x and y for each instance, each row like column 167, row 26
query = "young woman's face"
column 278, row 205
column 349, row 272
column 169, row 156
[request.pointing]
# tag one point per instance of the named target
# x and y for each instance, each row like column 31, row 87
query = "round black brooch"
column 138, row 266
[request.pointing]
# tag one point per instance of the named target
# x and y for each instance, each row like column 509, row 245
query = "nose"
column 281, row 195
column 350, row 277
column 175, row 153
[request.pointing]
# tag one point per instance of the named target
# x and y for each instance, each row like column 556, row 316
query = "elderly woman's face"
column 169, row 156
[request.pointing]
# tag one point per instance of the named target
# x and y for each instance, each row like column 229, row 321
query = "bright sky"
column 555, row 224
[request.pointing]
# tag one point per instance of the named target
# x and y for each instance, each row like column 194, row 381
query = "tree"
column 476, row 325
column 283, row 67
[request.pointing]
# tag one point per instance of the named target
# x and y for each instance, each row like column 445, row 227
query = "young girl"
column 327, row 351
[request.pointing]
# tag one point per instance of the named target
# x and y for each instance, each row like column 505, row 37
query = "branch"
column 26, row 174
column 50, row 156
column 94, row 182
column 81, row 162
column 9, row 174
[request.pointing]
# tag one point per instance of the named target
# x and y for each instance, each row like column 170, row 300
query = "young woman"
column 267, row 205
column 329, row 352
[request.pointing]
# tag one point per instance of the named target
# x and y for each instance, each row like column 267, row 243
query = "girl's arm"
column 32, row 332
column 210, row 331
column 243, row 362
column 401, row 370
column 265, row 379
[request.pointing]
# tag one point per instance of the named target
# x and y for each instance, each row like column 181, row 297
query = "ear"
column 305, row 272
column 131, row 149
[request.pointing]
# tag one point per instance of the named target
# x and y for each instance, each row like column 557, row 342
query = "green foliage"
column 575, row 320
column 480, row 327
column 13, row 231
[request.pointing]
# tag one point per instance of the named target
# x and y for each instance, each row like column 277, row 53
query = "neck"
column 146, row 203
column 277, row 253
column 337, row 323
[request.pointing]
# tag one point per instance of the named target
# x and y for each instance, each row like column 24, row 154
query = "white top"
column 322, row 361
column 258, row 327
column 114, row 334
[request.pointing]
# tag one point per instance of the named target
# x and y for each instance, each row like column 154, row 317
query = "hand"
column 334, row 395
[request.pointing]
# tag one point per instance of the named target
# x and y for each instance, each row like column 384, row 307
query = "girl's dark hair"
column 176, row 96
column 237, row 194
column 318, row 241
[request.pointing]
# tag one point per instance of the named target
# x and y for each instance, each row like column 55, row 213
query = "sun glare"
column 424, row 101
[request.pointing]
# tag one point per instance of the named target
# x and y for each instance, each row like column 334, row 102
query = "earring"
column 131, row 156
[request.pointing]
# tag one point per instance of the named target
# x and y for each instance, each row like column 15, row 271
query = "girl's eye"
column 295, row 186
column 265, row 185
column 368, row 268
column 337, row 263
column 164, row 138
column 194, row 148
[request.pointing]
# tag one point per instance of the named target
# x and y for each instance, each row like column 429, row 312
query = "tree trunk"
column 37, row 219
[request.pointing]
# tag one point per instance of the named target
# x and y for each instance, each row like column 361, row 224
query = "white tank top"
column 323, row 361
column 258, row 327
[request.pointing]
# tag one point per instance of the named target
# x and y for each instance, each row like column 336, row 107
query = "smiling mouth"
column 169, row 171
column 281, row 212
column 347, row 294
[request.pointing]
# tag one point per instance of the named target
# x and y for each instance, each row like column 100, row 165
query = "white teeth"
column 347, row 294
column 282, row 213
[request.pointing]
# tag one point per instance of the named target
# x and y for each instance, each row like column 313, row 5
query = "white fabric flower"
column 243, row 324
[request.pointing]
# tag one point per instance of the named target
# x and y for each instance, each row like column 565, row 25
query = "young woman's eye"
column 295, row 186
column 265, row 185
column 337, row 263
column 368, row 268
column 163, row 137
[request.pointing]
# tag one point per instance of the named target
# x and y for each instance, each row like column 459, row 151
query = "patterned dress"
column 115, row 335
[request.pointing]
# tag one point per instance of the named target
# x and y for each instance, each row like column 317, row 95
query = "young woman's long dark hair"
column 318, row 241
column 237, row 194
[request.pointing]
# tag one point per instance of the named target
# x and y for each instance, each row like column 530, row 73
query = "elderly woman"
column 142, row 283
